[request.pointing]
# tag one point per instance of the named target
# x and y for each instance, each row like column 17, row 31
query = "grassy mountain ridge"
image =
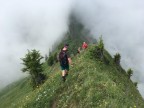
column 90, row 84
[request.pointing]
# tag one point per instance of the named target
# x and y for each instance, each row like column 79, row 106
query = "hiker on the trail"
column 85, row 45
column 65, row 60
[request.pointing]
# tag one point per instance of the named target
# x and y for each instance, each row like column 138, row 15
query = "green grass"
column 90, row 84
column 14, row 92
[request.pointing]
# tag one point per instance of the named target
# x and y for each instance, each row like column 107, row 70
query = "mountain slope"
column 91, row 83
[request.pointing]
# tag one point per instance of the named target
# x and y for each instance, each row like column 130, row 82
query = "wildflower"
column 44, row 92
column 37, row 99
column 106, row 103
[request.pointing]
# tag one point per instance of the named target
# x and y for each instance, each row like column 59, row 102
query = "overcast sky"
column 28, row 24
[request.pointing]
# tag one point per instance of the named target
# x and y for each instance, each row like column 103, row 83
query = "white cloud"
column 28, row 24
column 121, row 23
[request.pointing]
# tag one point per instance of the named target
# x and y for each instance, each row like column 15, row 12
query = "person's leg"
column 66, row 70
column 63, row 75
column 66, row 73
column 63, row 72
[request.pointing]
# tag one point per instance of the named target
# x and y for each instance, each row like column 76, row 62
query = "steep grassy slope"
column 90, row 84
column 14, row 92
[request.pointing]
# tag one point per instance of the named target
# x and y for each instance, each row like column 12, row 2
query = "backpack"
column 63, row 58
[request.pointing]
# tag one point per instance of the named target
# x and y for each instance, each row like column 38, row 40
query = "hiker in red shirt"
column 84, row 46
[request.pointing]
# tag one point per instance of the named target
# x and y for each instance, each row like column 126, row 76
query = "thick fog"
column 28, row 24
column 121, row 23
